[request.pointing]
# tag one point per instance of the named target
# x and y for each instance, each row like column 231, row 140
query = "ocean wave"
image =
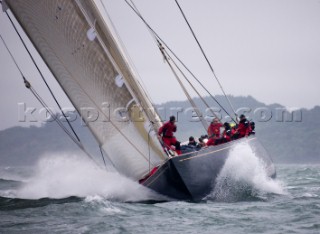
column 7, row 203
column 5, row 180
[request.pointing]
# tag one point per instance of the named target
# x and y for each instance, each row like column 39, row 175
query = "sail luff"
column 126, row 69
column 114, row 63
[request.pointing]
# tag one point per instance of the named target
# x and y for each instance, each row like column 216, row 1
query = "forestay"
column 82, row 52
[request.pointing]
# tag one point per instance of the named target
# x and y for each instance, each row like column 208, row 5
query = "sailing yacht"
column 81, row 49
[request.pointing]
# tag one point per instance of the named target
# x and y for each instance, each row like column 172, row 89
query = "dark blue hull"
column 192, row 176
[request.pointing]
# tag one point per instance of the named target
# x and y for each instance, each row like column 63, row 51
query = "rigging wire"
column 186, row 78
column 167, row 58
column 162, row 49
column 42, row 76
column 149, row 150
column 104, row 161
column 205, row 56
column 203, row 121
column 180, row 61
column 42, row 102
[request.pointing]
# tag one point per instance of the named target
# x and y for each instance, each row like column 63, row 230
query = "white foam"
column 243, row 171
column 105, row 206
column 59, row 176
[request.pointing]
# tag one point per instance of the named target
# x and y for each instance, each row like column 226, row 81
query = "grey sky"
column 265, row 48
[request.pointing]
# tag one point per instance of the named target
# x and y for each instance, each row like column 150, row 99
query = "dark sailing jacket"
column 244, row 128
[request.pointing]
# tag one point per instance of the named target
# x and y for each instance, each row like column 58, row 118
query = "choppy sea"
column 68, row 194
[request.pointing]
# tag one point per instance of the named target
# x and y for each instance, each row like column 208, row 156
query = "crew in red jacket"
column 167, row 130
column 226, row 136
column 214, row 131
column 214, row 128
column 244, row 127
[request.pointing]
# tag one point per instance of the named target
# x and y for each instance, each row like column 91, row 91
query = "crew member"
column 214, row 128
column 203, row 139
column 214, row 131
column 227, row 133
column 167, row 130
column 244, row 127
column 192, row 142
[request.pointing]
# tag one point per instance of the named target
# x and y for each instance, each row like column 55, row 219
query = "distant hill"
column 24, row 146
column 288, row 137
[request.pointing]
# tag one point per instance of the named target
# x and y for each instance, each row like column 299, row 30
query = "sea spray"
column 60, row 176
column 244, row 177
column 18, row 174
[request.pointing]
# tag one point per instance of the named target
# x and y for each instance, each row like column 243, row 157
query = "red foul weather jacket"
column 214, row 129
column 167, row 129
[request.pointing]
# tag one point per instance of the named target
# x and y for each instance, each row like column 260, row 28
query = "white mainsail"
column 84, row 56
